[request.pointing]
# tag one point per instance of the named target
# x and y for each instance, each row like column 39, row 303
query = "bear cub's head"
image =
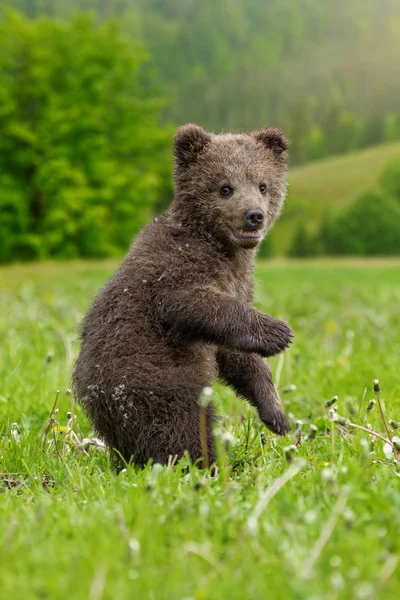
column 231, row 185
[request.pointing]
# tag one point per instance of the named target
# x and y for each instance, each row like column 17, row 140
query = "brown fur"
column 176, row 313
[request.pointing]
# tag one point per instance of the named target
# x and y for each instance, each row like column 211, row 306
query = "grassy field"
column 318, row 521
column 328, row 185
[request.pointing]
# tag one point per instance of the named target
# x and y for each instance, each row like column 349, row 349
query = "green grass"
column 328, row 185
column 73, row 528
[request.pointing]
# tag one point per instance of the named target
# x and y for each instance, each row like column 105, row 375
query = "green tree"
column 369, row 226
column 267, row 247
column 389, row 179
column 324, row 235
column 303, row 244
column 83, row 159
column 392, row 127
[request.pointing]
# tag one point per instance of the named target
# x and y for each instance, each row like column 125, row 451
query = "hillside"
column 328, row 185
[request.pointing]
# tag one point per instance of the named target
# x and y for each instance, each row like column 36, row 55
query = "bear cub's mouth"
column 248, row 233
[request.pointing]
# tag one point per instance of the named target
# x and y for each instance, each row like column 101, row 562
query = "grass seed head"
column 206, row 396
column 377, row 388
column 330, row 403
column 289, row 388
column 396, row 443
column 332, row 415
column 290, row 452
column 313, row 432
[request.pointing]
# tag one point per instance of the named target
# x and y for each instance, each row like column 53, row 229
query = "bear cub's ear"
column 273, row 139
column 189, row 139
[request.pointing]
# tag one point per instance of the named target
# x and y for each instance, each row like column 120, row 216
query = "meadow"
column 315, row 515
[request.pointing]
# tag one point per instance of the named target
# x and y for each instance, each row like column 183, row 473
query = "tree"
column 369, row 226
column 389, row 179
column 303, row 243
column 267, row 248
column 83, row 158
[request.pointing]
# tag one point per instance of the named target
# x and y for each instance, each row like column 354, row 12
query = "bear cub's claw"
column 278, row 422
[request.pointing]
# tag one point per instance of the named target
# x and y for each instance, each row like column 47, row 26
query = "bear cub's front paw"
column 277, row 421
column 277, row 336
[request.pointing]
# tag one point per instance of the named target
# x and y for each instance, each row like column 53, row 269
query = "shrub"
column 83, row 159
column 389, row 179
column 266, row 249
column 369, row 226
column 303, row 244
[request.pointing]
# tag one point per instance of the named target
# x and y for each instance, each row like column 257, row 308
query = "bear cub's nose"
column 254, row 218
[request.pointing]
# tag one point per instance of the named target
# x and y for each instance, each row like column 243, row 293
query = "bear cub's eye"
column 225, row 190
column 263, row 188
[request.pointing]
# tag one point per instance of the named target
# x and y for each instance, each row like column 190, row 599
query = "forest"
column 327, row 72
column 90, row 92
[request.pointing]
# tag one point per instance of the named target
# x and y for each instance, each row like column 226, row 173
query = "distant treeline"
column 327, row 72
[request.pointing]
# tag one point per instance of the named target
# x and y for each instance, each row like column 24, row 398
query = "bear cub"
column 176, row 314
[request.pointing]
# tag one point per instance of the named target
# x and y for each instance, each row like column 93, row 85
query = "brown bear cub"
column 176, row 314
